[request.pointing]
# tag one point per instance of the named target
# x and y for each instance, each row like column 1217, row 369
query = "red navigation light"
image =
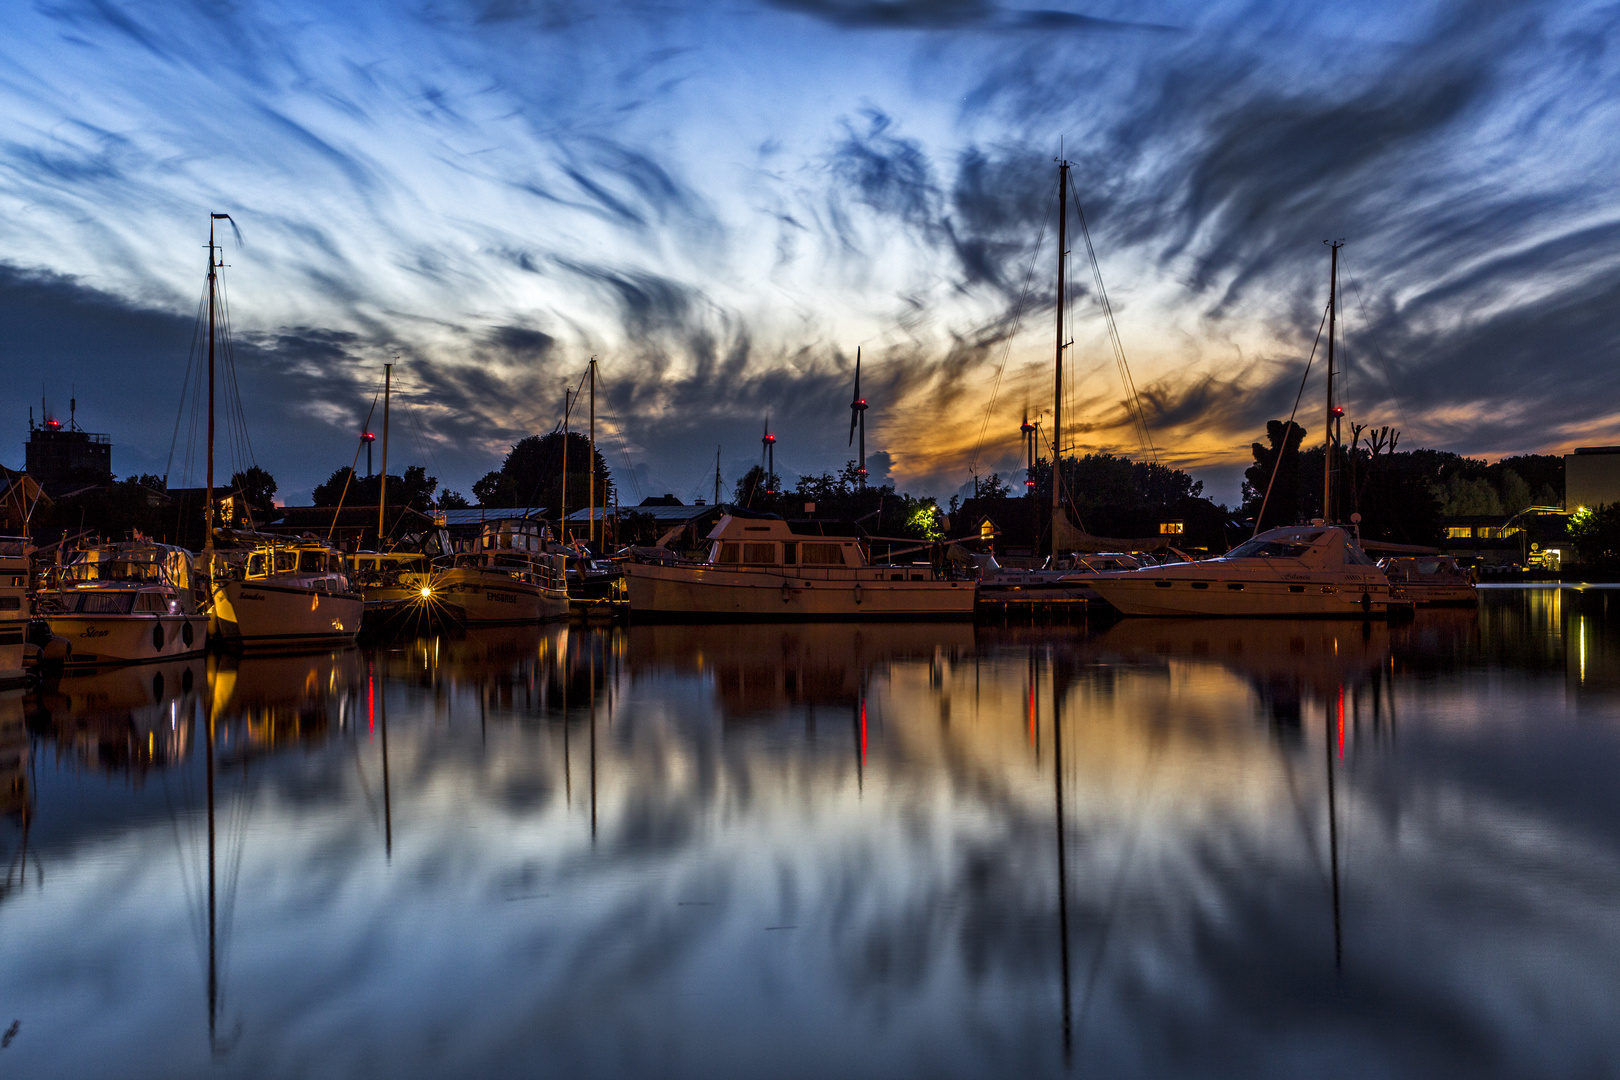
column 1029, row 483
column 366, row 436
column 1337, row 410
column 860, row 403
column 770, row 438
column 1027, row 427
column 53, row 424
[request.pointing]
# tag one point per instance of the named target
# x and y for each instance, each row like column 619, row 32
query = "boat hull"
column 1148, row 596
column 660, row 591
column 13, row 637
column 492, row 597
column 256, row 614
column 136, row 638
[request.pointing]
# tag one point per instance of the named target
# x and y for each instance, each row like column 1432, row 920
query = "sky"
column 722, row 201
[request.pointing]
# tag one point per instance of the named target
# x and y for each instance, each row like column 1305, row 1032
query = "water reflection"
column 1143, row 849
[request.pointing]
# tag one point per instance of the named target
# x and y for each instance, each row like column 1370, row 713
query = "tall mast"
column 382, row 490
column 1057, row 381
column 590, row 464
column 562, row 511
column 1329, row 434
column 208, row 519
column 717, row 476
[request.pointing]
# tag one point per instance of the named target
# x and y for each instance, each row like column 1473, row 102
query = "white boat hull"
column 707, row 592
column 490, row 596
column 136, row 638
column 271, row 615
column 1141, row 593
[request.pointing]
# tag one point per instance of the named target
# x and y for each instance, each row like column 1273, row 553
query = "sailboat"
column 269, row 591
column 1317, row 569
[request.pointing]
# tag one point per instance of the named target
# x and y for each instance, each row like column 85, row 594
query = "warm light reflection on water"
column 1286, row 849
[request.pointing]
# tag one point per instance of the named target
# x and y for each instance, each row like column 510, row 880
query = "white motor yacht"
column 129, row 602
column 1431, row 580
column 762, row 567
column 1298, row 570
column 282, row 593
column 14, row 611
column 507, row 578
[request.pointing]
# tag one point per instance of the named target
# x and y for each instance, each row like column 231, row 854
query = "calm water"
column 1153, row 849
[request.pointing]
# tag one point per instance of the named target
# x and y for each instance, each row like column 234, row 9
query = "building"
column 1535, row 538
column 1592, row 476
column 65, row 458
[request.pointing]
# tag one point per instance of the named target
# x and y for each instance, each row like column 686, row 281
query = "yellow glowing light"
column 427, row 591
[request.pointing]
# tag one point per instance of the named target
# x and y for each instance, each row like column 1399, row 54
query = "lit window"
column 1171, row 528
column 987, row 531
column 1460, row 532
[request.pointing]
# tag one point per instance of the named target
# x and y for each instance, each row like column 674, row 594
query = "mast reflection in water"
column 1230, row 849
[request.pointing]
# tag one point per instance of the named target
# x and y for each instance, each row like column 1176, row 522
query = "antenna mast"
column 382, row 489
column 590, row 464
column 1057, row 381
column 1335, row 414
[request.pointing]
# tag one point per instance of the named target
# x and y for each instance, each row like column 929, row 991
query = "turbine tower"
column 768, row 448
column 1029, row 453
column 857, row 418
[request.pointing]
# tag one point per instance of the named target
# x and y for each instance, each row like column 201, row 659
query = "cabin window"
column 151, row 602
column 334, row 562
column 286, row 562
column 1267, row 549
column 729, row 553
column 117, row 603
column 311, row 562
column 790, row 554
column 1356, row 557
column 256, row 566
column 1200, row 584
column 759, row 553
column 1161, row 584
column 1296, row 588
column 822, row 555
column 1235, row 586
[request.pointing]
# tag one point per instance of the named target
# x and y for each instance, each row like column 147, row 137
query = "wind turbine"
column 1029, row 453
column 768, row 446
column 857, row 417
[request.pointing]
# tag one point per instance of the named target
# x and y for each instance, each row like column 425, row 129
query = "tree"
column 1596, row 532
column 532, row 474
column 257, row 488
column 452, row 500
column 414, row 489
column 757, row 491
column 1282, row 507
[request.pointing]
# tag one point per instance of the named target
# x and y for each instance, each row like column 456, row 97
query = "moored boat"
column 14, row 611
column 129, row 602
column 507, row 578
column 1431, row 580
column 763, row 567
column 282, row 593
column 1297, row 570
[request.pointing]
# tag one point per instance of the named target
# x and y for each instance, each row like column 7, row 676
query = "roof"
column 658, row 512
column 477, row 515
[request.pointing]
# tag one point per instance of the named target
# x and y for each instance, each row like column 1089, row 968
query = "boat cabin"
column 772, row 541
column 294, row 559
column 1320, row 546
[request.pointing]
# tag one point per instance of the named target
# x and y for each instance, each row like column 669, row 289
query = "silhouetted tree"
column 414, row 489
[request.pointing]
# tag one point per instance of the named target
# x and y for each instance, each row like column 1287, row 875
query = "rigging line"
column 1006, row 349
column 1058, row 474
column 1377, row 349
column 350, row 478
column 624, row 447
column 1113, row 332
column 1288, row 429
column 196, row 329
column 423, row 444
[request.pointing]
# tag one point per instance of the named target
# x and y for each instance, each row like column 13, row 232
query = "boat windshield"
column 1268, row 549
column 103, row 603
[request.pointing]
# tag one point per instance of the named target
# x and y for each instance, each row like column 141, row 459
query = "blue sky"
column 721, row 201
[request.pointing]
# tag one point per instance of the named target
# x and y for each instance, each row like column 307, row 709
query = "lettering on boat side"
column 252, row 596
column 93, row 632
column 500, row 598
